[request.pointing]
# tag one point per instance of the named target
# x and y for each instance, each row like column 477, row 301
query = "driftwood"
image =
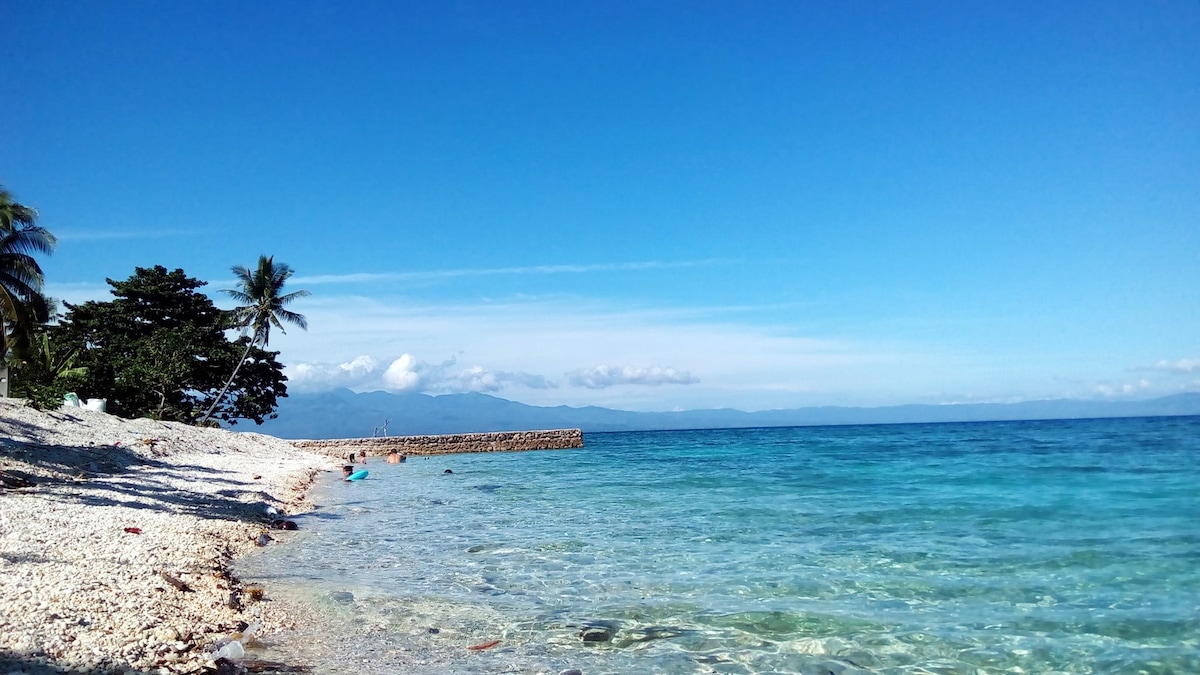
column 175, row 582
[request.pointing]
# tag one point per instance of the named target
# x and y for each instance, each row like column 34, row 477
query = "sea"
column 1004, row 547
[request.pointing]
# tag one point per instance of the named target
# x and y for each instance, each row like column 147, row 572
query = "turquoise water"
column 1015, row 547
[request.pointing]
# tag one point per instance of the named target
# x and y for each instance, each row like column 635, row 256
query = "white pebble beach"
column 121, row 514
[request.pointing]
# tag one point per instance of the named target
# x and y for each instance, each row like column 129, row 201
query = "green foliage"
column 46, row 376
column 160, row 350
column 22, row 306
column 265, row 306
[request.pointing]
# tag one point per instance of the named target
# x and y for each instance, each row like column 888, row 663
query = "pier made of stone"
column 448, row 444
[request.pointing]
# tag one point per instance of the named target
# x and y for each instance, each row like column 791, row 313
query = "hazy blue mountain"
column 345, row 414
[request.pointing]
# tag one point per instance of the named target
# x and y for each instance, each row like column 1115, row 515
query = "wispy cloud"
column 601, row 377
column 79, row 292
column 433, row 275
column 102, row 235
column 1180, row 367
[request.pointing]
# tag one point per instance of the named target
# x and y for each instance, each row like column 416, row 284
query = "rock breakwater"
column 500, row 441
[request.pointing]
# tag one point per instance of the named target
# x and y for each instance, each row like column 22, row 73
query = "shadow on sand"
column 11, row 663
column 103, row 475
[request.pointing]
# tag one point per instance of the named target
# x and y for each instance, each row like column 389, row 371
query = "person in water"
column 346, row 471
column 394, row 457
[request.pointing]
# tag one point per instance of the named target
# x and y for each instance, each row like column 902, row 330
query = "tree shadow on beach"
column 41, row 665
column 12, row 663
column 65, row 461
column 110, row 475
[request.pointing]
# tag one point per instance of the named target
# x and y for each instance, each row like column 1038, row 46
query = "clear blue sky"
column 642, row 205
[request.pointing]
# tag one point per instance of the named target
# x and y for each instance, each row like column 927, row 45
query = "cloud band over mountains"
column 410, row 374
column 601, row 377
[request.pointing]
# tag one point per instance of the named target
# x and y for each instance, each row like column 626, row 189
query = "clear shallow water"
column 1028, row 547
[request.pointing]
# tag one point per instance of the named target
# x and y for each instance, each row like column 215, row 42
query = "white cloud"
column 320, row 376
column 523, row 348
column 1182, row 366
column 1122, row 389
column 407, row 373
column 403, row 374
column 601, row 377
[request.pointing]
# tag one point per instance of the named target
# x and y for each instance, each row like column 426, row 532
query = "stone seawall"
column 500, row 441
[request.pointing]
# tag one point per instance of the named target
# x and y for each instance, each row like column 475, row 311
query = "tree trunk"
column 228, row 382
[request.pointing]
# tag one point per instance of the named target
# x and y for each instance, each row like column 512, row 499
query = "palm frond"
column 27, row 240
column 261, row 301
column 13, row 214
column 292, row 297
column 293, row 318
column 238, row 295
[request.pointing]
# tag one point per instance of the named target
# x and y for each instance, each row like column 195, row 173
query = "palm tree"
column 22, row 305
column 263, row 308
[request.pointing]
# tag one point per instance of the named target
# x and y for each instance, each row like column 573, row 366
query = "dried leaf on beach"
column 175, row 582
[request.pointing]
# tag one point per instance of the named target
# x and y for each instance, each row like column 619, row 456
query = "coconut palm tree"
column 22, row 305
column 264, row 307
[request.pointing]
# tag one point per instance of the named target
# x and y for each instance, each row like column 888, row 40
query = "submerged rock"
column 598, row 631
column 596, row 634
column 341, row 597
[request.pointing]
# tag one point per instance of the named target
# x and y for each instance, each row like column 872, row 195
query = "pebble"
column 78, row 593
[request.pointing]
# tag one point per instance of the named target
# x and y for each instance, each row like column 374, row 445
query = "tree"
column 160, row 350
column 47, row 373
column 22, row 305
column 264, row 306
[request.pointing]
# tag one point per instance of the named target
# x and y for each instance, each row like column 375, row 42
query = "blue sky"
column 648, row 206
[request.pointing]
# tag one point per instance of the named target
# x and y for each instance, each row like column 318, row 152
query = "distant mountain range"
column 345, row 414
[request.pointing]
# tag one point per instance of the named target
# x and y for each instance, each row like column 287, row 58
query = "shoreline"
column 118, row 558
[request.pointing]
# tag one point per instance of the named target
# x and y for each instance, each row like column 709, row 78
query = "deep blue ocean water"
column 1008, row 547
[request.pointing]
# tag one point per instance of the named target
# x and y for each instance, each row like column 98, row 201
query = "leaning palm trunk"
column 264, row 308
column 217, row 401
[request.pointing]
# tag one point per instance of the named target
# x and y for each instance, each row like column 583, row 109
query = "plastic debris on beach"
column 234, row 646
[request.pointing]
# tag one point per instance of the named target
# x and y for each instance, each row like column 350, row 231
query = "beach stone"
column 596, row 634
column 570, row 671
column 341, row 597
